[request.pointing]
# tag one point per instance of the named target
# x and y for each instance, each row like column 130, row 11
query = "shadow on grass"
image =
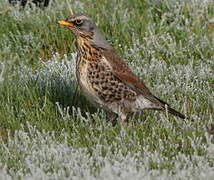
column 65, row 93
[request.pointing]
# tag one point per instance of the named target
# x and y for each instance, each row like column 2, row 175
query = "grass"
column 48, row 129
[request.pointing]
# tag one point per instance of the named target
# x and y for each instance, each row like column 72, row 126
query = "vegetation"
column 48, row 130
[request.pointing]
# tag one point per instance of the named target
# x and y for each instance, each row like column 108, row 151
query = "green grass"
column 50, row 131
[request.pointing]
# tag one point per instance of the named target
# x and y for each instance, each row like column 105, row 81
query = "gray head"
column 84, row 28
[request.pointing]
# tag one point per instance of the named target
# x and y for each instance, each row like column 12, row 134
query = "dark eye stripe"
column 78, row 21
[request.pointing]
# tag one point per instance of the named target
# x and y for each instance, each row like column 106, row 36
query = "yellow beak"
column 65, row 23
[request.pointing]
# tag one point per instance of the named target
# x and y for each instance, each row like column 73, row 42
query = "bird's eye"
column 78, row 21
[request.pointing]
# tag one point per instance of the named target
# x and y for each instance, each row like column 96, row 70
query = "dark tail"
column 166, row 107
column 176, row 113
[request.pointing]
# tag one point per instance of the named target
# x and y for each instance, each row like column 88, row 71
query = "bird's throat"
column 86, row 51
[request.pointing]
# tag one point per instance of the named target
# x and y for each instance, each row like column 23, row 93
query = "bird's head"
column 80, row 25
column 84, row 28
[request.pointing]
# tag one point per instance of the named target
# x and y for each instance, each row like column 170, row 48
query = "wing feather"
column 121, row 70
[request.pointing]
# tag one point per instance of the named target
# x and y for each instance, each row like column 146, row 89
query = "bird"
column 105, row 78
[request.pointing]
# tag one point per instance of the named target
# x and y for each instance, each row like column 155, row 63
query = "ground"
column 49, row 131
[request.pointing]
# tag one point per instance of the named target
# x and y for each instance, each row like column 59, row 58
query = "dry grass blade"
column 7, row 10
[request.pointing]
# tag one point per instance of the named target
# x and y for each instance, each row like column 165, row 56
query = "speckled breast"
column 82, row 73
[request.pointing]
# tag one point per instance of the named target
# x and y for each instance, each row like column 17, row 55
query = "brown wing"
column 124, row 73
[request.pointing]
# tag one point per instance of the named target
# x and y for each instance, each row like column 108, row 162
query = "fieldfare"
column 105, row 78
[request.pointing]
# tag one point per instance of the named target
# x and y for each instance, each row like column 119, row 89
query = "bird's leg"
column 112, row 117
column 124, row 118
